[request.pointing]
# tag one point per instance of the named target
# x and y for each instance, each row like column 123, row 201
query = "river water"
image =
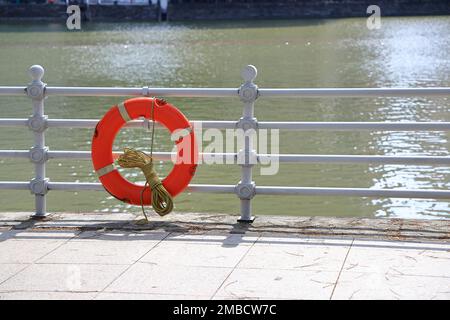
column 405, row 52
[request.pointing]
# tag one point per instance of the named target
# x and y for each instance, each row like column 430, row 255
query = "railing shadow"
column 227, row 234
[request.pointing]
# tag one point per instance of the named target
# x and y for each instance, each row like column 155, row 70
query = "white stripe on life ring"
column 184, row 132
column 123, row 112
column 105, row 170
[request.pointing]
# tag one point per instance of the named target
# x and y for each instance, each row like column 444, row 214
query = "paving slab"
column 9, row 270
column 296, row 255
column 203, row 254
column 42, row 295
column 105, row 248
column 28, row 247
column 164, row 279
column 147, row 296
column 399, row 259
column 279, row 284
column 61, row 277
column 380, row 286
column 208, row 238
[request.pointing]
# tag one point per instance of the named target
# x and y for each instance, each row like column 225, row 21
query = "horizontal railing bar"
column 372, row 159
column 211, row 188
column 166, row 92
column 231, row 158
column 284, row 158
column 260, row 190
column 95, row 186
column 84, row 123
column 351, row 126
column 163, row 156
column 302, row 126
column 86, row 155
column 357, row 192
column 214, row 124
column 355, row 92
column 122, row 92
column 91, row 123
column 13, row 122
column 12, row 91
column 227, row 92
column 14, row 153
column 74, row 186
column 14, row 185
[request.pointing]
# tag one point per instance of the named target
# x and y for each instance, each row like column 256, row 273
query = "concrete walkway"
column 192, row 256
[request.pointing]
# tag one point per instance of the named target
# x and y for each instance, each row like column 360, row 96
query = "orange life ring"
column 106, row 131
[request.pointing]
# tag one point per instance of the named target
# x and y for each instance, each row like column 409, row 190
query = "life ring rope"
column 162, row 201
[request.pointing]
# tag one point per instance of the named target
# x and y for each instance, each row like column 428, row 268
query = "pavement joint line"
column 129, row 266
column 13, row 275
column 342, row 268
column 57, row 247
column 235, row 267
column 37, row 259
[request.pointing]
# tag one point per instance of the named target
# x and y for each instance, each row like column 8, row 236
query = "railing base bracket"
column 40, row 216
column 246, row 220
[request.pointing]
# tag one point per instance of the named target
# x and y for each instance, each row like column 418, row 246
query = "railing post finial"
column 248, row 91
column 249, row 73
column 36, row 72
column 36, row 89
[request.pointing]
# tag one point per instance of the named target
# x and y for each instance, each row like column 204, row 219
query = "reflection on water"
column 412, row 57
column 405, row 52
column 136, row 56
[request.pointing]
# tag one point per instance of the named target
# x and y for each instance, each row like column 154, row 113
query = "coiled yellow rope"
column 162, row 201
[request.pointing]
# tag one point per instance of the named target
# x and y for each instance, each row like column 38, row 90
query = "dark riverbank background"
column 179, row 10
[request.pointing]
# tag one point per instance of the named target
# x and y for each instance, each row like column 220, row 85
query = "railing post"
column 38, row 153
column 245, row 189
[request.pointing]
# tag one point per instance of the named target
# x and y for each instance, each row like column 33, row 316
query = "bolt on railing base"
column 246, row 220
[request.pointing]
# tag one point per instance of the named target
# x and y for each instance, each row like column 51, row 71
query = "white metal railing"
column 248, row 92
